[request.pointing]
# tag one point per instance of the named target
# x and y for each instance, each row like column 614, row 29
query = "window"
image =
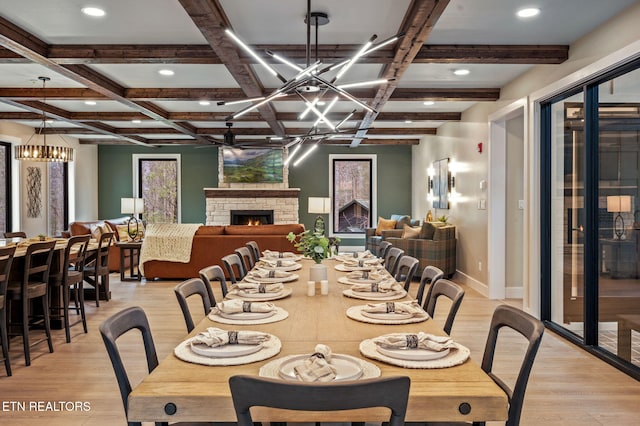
column 158, row 183
column 5, row 186
column 352, row 189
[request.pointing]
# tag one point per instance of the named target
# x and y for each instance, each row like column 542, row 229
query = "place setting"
column 279, row 265
column 384, row 290
column 269, row 276
column 262, row 292
column 357, row 255
column 282, row 255
column 364, row 277
column 357, row 264
column 320, row 366
column 245, row 312
column 419, row 350
column 388, row 313
column 217, row 347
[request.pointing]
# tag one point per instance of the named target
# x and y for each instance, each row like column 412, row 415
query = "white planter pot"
column 317, row 272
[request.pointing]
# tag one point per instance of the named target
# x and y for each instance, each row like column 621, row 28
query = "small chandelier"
column 43, row 152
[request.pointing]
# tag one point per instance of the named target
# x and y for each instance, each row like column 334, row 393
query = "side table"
column 134, row 257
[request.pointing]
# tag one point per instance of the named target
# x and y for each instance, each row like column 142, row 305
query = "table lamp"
column 618, row 204
column 319, row 206
column 132, row 206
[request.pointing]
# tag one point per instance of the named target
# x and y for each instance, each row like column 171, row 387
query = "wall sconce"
column 453, row 182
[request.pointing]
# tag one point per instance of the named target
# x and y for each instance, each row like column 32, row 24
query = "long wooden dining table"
column 181, row 391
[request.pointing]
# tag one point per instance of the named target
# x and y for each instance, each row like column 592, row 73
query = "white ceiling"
column 281, row 22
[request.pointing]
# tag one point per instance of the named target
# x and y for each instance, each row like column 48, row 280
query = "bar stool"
column 96, row 273
column 6, row 258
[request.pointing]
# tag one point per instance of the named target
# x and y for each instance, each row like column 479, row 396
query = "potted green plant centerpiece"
column 315, row 246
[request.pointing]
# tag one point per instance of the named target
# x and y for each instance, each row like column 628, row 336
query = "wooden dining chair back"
column 391, row 259
column 246, row 257
column 186, row 289
column 529, row 327
column 430, row 275
column 69, row 281
column 16, row 234
column 210, row 274
column 6, row 259
column 406, row 268
column 33, row 285
column 383, row 249
column 96, row 271
column 234, row 267
column 255, row 250
column 251, row 391
column 451, row 291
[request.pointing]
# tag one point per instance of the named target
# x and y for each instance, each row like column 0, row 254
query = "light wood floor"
column 567, row 385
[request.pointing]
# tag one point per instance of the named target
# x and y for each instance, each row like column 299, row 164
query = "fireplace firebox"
column 251, row 217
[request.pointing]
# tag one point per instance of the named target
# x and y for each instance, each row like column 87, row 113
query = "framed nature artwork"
column 440, row 183
column 252, row 165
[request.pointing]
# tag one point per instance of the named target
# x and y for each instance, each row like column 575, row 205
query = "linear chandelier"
column 312, row 83
column 43, row 152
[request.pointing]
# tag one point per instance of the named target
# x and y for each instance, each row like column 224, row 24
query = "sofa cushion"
column 384, row 225
column 123, row 232
column 210, row 230
column 113, row 224
column 401, row 220
column 83, row 228
column 282, row 229
column 411, row 231
column 429, row 229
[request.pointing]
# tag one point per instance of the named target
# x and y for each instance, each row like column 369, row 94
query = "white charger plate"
column 387, row 315
column 226, row 351
column 264, row 297
column 274, row 280
column 344, row 268
column 294, row 258
column 247, row 315
column 413, row 354
column 370, row 295
column 347, row 367
column 287, row 268
column 351, row 281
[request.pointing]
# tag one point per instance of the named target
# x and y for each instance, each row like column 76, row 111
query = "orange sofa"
column 83, row 228
column 211, row 243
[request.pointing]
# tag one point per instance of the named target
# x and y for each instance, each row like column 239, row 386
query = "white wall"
column 458, row 141
column 515, row 193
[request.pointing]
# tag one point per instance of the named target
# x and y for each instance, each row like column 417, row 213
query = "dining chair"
column 210, row 274
column 383, row 248
column 391, row 259
column 255, row 250
column 451, row 291
column 406, row 268
column 250, row 391
column 70, row 280
column 96, row 271
column 246, row 257
column 430, row 275
column 6, row 259
column 34, row 284
column 16, row 234
column 234, row 267
column 186, row 289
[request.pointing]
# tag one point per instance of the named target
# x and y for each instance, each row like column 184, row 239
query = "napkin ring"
column 412, row 341
column 317, row 355
column 281, row 255
column 391, row 307
column 262, row 288
column 272, row 274
column 233, row 337
column 374, row 287
column 278, row 263
column 355, row 254
column 361, row 263
column 365, row 275
column 246, row 306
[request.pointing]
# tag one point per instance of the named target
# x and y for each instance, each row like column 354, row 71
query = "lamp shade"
column 319, row 205
column 131, row 205
column 619, row 203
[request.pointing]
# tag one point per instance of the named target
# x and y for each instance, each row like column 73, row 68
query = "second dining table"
column 183, row 391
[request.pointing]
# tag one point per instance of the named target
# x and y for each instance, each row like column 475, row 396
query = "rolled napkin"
column 258, row 287
column 235, row 306
column 278, row 254
column 412, row 308
column 276, row 263
column 374, row 261
column 415, row 341
column 267, row 273
column 317, row 368
column 215, row 337
column 366, row 276
column 390, row 286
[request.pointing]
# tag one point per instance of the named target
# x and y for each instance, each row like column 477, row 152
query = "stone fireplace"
column 220, row 202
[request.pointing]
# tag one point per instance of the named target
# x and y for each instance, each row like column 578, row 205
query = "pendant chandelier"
column 44, row 152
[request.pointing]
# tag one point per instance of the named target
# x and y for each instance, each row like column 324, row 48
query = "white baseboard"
column 514, row 292
column 465, row 279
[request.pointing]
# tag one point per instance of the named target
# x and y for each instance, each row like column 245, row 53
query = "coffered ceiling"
column 105, row 87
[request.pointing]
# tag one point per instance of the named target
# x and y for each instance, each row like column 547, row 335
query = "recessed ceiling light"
column 528, row 12
column 204, row 103
column 408, row 121
column 166, row 72
column 93, row 11
column 89, row 102
column 428, row 103
column 461, row 71
column 136, row 121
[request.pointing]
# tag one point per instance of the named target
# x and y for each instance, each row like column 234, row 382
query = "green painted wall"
column 199, row 169
column 394, row 180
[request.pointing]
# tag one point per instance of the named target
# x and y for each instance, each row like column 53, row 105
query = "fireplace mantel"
column 220, row 202
column 251, row 192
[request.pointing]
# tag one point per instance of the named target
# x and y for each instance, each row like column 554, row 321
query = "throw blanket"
column 170, row 242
